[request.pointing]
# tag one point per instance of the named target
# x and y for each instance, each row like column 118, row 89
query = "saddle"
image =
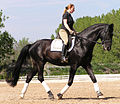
column 57, row 43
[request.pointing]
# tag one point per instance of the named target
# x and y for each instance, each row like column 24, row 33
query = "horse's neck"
column 89, row 38
column 92, row 35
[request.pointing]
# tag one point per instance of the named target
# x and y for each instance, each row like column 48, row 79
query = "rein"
column 89, row 40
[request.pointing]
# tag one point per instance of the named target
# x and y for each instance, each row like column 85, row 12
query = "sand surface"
column 78, row 93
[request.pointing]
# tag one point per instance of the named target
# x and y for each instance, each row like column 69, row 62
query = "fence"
column 100, row 77
column 55, row 77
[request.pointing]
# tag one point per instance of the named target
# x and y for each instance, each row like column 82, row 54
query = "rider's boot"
column 64, row 52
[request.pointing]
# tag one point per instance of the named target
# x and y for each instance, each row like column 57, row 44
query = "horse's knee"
column 40, row 78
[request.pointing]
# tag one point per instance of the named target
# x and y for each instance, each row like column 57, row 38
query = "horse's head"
column 106, row 37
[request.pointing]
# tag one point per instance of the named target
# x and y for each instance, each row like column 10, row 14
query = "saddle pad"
column 56, row 45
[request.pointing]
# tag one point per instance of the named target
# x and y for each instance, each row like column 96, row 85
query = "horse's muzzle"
column 106, row 48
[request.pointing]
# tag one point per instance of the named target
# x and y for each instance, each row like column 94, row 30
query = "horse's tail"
column 16, row 71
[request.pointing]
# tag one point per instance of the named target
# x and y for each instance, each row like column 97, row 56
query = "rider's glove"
column 72, row 32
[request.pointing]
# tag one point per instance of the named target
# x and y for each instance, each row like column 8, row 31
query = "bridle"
column 103, row 41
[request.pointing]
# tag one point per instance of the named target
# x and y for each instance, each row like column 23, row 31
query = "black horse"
column 81, row 55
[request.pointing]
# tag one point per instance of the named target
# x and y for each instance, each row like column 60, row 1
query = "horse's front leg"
column 70, row 81
column 93, row 78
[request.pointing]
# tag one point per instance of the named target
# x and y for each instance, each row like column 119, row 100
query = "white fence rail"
column 100, row 77
column 55, row 77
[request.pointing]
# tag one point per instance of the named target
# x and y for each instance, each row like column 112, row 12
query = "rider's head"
column 70, row 8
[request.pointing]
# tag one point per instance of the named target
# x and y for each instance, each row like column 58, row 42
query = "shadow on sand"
column 80, row 98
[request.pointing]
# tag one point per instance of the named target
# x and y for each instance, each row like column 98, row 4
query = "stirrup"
column 63, row 59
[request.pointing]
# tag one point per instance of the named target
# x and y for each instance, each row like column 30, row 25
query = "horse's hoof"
column 100, row 95
column 51, row 96
column 21, row 96
column 59, row 96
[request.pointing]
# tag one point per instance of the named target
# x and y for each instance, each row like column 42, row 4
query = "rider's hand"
column 76, row 32
column 71, row 32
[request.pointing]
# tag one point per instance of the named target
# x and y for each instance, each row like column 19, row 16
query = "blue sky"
column 38, row 19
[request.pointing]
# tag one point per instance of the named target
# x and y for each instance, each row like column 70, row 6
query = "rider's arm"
column 75, row 31
column 66, row 25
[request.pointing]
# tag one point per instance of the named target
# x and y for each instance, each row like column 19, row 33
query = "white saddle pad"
column 56, row 45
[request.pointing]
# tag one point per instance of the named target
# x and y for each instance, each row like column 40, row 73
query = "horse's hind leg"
column 93, row 78
column 29, row 78
column 41, row 79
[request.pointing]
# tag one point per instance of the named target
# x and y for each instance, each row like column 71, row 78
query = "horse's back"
column 39, row 47
column 42, row 42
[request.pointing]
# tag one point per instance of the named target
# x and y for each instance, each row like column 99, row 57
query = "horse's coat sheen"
column 81, row 55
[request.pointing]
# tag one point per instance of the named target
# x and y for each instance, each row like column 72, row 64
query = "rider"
column 66, row 28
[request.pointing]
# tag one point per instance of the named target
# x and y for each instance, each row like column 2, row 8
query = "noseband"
column 105, row 41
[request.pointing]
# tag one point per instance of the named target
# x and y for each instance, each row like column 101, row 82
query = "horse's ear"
column 111, row 26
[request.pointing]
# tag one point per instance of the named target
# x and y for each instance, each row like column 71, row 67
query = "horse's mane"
column 92, row 27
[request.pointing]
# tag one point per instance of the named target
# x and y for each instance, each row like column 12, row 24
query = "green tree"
column 57, row 30
column 52, row 36
column 6, row 42
column 19, row 45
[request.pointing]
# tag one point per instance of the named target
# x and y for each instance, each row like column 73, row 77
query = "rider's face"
column 72, row 9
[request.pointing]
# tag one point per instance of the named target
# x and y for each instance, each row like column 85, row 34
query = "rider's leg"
column 64, row 52
column 64, row 37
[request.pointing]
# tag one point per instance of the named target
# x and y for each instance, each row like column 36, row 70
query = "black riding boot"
column 64, row 52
